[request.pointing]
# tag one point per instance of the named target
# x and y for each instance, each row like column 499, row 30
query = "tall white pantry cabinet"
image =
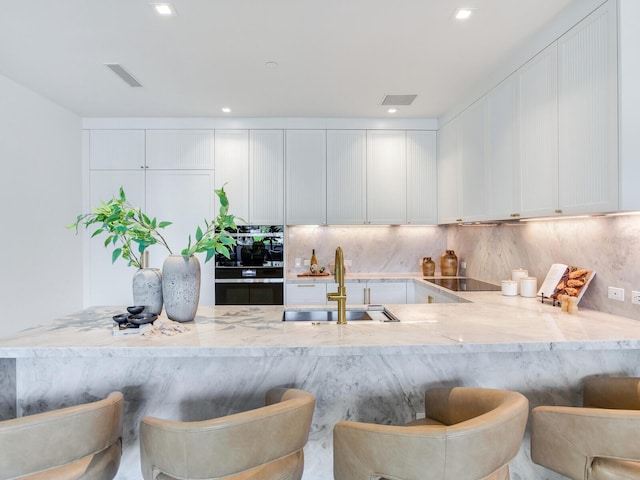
column 169, row 175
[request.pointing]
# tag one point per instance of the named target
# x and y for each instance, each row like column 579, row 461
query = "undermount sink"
column 332, row 316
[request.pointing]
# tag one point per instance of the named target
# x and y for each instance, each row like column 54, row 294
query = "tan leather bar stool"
column 261, row 444
column 81, row 442
column 468, row 434
column 600, row 441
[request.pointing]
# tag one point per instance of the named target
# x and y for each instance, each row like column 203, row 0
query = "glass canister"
column 448, row 264
column 428, row 267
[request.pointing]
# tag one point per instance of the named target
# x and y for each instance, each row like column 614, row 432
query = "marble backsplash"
column 370, row 249
column 608, row 245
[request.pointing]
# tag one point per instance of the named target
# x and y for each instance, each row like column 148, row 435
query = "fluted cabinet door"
column 422, row 178
column 266, row 177
column 111, row 283
column 386, row 177
column 587, row 96
column 232, row 170
column 306, row 177
column 180, row 149
column 448, row 189
column 538, row 115
column 472, row 173
column 503, row 154
column 346, row 177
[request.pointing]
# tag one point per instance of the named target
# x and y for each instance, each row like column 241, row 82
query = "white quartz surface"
column 489, row 323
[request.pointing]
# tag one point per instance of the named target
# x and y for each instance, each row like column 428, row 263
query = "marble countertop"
column 489, row 322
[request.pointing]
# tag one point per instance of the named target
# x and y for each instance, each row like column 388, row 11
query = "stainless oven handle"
column 249, row 280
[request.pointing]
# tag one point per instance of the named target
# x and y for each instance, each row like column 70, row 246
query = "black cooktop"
column 464, row 284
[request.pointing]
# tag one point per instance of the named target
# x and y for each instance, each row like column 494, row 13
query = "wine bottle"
column 313, row 263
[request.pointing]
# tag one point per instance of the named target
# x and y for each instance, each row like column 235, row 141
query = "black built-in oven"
column 254, row 275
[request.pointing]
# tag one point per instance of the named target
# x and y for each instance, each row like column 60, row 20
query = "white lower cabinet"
column 372, row 292
column 312, row 293
column 421, row 293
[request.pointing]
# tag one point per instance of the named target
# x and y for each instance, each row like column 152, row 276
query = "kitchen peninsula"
column 368, row 370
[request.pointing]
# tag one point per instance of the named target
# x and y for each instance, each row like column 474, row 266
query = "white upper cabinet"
column 472, row 174
column 306, row 177
column 448, row 190
column 386, row 177
column 346, row 177
column 117, row 149
column 587, row 113
column 422, row 174
column 232, row 169
column 538, row 125
column 180, row 149
column 266, row 177
column 502, row 152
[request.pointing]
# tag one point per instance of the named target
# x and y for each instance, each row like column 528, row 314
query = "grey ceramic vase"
column 147, row 289
column 181, row 287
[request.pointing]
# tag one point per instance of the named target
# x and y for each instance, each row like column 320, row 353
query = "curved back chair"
column 597, row 442
column 468, row 434
column 81, row 442
column 261, row 444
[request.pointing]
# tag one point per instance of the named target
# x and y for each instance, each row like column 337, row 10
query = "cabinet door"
column 346, row 177
column 448, row 153
column 185, row 198
column 422, row 178
column 306, row 293
column 232, row 169
column 503, row 155
column 387, row 292
column 117, row 149
column 472, row 176
column 587, row 102
column 538, row 112
column 179, row 149
column 110, row 283
column 266, row 177
column 386, row 177
column 306, row 177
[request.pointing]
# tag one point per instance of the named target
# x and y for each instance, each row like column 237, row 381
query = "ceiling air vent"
column 398, row 99
column 123, row 74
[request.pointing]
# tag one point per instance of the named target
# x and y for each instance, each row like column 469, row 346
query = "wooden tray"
column 309, row 274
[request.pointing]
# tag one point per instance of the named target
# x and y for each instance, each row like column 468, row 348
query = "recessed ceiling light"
column 271, row 64
column 226, row 109
column 164, row 9
column 462, row 13
column 392, row 110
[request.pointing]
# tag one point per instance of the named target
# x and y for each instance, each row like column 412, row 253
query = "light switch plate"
column 635, row 297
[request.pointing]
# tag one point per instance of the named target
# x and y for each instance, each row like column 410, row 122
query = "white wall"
column 40, row 193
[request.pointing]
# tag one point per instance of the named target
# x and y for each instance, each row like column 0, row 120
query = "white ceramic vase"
column 181, row 287
column 147, row 289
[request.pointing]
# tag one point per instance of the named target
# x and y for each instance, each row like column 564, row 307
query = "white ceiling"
column 336, row 58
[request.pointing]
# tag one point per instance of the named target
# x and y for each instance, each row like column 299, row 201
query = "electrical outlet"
column 635, row 297
column 298, row 262
column 347, row 263
column 420, row 415
column 616, row 294
column 306, row 262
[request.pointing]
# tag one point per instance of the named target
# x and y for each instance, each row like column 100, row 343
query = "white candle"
column 516, row 275
column 528, row 286
column 509, row 288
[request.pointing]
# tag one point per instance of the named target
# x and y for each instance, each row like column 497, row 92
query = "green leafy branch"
column 215, row 237
column 127, row 228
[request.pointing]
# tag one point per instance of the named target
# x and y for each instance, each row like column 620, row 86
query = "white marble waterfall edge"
column 382, row 389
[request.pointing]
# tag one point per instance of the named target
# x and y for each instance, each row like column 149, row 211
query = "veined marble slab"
column 365, row 371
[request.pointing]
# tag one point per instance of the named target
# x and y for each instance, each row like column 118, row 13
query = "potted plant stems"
column 130, row 232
